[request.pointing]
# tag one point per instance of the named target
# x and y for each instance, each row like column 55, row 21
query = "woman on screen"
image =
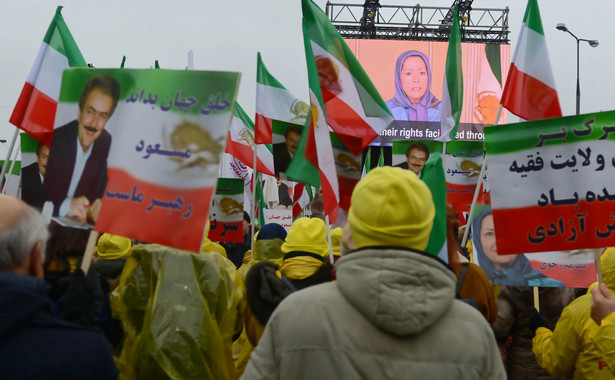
column 502, row 269
column 413, row 99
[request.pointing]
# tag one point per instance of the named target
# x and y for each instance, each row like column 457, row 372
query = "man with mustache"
column 77, row 166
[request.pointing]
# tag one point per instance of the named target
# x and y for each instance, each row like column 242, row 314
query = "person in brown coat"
column 515, row 305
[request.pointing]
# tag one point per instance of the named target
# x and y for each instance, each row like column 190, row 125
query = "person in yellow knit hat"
column 110, row 255
column 391, row 313
column 572, row 349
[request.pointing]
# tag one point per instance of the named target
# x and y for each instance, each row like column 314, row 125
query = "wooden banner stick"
column 89, row 251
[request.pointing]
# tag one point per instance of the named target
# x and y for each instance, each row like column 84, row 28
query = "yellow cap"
column 336, row 240
column 607, row 261
column 112, row 247
column 307, row 235
column 391, row 207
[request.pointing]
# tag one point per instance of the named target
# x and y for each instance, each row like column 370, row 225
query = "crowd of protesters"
column 360, row 302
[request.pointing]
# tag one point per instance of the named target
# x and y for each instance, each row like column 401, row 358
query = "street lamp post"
column 592, row 43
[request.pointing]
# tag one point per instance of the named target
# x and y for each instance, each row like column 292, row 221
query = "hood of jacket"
column 21, row 299
column 402, row 292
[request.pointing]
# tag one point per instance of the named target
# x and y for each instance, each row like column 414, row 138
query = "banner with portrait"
column 137, row 151
column 226, row 213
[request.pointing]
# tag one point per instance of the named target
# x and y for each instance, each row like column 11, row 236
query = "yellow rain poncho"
column 179, row 312
column 570, row 350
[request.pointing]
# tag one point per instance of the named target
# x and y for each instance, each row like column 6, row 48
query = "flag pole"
column 255, row 180
column 89, row 251
column 478, row 186
column 10, row 170
column 331, row 258
column 8, row 157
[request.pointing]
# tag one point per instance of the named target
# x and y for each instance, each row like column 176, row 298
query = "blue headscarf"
column 520, row 273
column 418, row 111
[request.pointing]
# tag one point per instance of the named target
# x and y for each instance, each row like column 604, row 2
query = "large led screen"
column 414, row 93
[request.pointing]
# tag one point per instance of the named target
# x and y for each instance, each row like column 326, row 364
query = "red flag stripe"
column 245, row 154
column 35, row 113
column 349, row 126
column 529, row 98
column 262, row 130
column 570, row 223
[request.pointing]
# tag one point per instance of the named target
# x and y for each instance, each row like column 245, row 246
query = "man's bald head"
column 22, row 232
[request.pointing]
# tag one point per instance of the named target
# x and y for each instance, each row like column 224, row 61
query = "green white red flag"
column 274, row 104
column 226, row 212
column 313, row 162
column 36, row 107
column 433, row 176
column 240, row 143
column 354, row 108
column 530, row 87
column 452, row 88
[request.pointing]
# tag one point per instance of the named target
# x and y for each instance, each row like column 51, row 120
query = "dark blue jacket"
column 34, row 344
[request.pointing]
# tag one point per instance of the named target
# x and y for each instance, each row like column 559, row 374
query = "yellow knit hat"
column 336, row 240
column 307, row 235
column 391, row 207
column 112, row 247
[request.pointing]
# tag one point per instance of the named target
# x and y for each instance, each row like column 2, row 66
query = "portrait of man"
column 32, row 177
column 77, row 167
column 417, row 155
column 283, row 152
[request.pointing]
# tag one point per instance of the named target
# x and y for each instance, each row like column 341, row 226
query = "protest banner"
column 226, row 213
column 461, row 162
column 168, row 130
column 552, row 183
column 282, row 217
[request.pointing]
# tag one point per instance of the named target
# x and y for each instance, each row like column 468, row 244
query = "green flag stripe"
column 498, row 137
column 492, row 51
column 454, row 74
column 433, row 176
column 531, row 19
column 241, row 114
column 59, row 37
column 263, row 76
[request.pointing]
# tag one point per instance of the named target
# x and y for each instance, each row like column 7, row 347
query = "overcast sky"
column 226, row 35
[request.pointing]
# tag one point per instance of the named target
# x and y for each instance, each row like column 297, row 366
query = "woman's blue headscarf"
column 520, row 273
column 418, row 111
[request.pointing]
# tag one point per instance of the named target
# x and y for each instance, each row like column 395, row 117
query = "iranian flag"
column 274, row 104
column 240, row 143
column 530, row 87
column 313, row 162
column 354, row 108
column 36, row 107
column 452, row 89
column 433, row 176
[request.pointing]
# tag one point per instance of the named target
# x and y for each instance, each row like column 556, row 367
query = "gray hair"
column 17, row 241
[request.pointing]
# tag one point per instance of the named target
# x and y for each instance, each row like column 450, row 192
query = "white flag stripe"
column 531, row 56
column 456, row 175
column 276, row 103
column 350, row 95
column 49, row 76
column 447, row 123
column 142, row 114
column 516, row 191
column 324, row 149
column 241, row 134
